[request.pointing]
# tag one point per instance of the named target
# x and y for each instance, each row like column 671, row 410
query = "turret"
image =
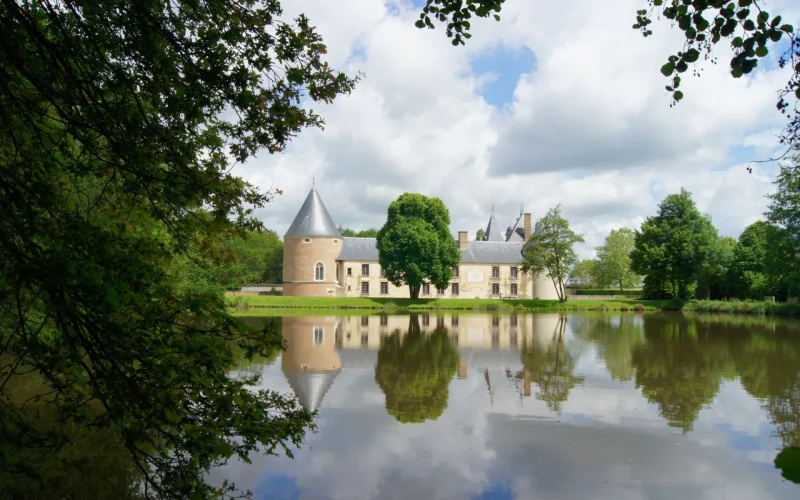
column 310, row 248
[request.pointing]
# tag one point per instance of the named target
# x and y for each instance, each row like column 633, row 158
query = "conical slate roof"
column 313, row 219
column 493, row 230
column 310, row 387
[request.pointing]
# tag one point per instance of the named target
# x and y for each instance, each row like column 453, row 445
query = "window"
column 454, row 321
column 454, row 336
column 426, row 289
column 513, row 320
column 306, row 240
column 514, row 272
column 495, row 320
column 514, row 289
column 495, row 272
column 383, row 272
column 495, row 339
column 495, row 288
column 335, row 242
column 364, row 320
column 349, row 271
column 454, row 288
column 384, row 320
column 319, row 272
column 365, row 339
column 365, row 288
column 319, row 335
column 365, row 269
column 440, row 291
column 455, row 272
column 440, row 321
column 384, row 288
column 426, row 320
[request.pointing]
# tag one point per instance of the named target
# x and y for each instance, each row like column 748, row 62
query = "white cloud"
column 589, row 127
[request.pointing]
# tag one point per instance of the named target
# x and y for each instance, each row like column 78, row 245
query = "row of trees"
column 678, row 252
column 681, row 255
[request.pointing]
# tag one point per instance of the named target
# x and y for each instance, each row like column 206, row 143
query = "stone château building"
column 319, row 261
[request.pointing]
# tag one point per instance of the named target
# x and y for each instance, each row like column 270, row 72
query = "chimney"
column 526, row 225
column 463, row 240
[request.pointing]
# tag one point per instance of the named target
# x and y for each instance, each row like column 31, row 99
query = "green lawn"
column 269, row 305
column 251, row 304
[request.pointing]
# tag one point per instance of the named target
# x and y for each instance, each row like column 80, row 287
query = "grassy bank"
column 252, row 304
column 259, row 305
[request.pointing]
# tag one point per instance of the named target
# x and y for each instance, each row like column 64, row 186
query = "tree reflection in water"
column 414, row 372
column 68, row 460
column 550, row 367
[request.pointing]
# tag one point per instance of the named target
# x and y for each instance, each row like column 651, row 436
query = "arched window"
column 319, row 272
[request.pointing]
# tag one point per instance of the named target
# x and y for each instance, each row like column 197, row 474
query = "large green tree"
column 712, row 281
column 119, row 124
column 746, row 25
column 671, row 247
column 747, row 278
column 550, row 250
column 614, row 260
column 415, row 245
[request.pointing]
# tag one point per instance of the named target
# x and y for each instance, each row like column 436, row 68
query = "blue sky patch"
column 277, row 486
column 506, row 66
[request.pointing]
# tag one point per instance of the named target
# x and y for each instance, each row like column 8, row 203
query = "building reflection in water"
column 310, row 361
column 521, row 349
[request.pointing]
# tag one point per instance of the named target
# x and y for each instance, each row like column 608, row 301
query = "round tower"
column 310, row 248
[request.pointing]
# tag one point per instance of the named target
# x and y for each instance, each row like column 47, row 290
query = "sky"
column 558, row 103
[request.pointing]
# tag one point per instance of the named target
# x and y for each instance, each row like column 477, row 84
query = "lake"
column 545, row 406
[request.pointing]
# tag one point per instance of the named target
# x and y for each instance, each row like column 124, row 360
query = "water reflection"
column 538, row 406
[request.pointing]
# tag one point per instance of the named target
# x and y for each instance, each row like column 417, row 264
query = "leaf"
column 668, row 69
column 420, row 23
column 678, row 95
column 762, row 51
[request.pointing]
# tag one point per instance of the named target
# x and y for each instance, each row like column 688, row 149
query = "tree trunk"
column 414, row 291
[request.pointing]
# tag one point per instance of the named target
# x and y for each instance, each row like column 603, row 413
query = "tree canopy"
column 120, row 122
column 671, row 247
column 415, row 244
column 583, row 273
column 362, row 233
column 613, row 260
column 550, row 250
column 749, row 28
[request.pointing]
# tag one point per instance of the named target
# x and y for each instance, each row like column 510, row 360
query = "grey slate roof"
column 310, row 387
column 313, row 219
column 492, row 252
column 359, row 249
column 516, row 232
column 493, row 230
column 478, row 252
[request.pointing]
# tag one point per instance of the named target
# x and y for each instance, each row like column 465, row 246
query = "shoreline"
column 258, row 304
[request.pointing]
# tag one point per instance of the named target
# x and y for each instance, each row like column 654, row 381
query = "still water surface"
column 545, row 406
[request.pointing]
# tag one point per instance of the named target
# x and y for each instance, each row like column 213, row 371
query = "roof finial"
column 313, row 178
column 521, row 209
column 493, row 208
